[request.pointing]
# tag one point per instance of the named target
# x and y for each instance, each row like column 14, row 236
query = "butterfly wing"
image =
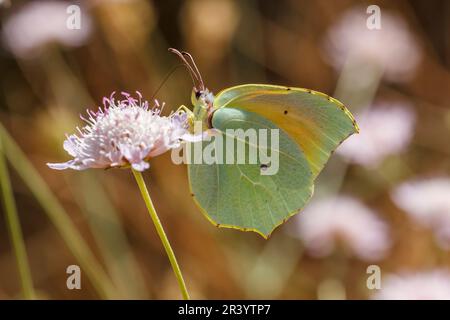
column 237, row 195
column 317, row 122
column 311, row 127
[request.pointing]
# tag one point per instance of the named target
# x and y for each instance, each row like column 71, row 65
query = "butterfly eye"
column 198, row 94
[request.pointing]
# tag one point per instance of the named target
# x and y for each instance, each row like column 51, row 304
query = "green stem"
column 15, row 231
column 58, row 216
column 162, row 235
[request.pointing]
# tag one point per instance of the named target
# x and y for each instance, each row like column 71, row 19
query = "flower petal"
column 71, row 164
column 141, row 166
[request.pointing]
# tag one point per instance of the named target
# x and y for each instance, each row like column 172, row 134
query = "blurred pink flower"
column 385, row 130
column 391, row 48
column 346, row 218
column 96, row 2
column 38, row 23
column 430, row 285
column 124, row 132
column 428, row 202
column 5, row 3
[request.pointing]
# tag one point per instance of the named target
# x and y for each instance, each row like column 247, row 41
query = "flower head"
column 392, row 48
column 345, row 218
column 427, row 202
column 41, row 22
column 430, row 285
column 385, row 130
column 125, row 132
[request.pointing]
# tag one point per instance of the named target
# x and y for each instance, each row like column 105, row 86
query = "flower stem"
column 162, row 235
column 15, row 231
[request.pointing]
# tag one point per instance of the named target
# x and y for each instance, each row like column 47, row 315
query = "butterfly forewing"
column 317, row 122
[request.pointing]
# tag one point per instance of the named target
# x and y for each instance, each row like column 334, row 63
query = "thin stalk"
column 15, row 231
column 162, row 235
column 58, row 216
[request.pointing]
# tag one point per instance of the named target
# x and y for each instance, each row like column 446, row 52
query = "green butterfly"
column 311, row 126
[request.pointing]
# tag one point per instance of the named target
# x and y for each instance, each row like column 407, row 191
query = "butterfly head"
column 202, row 99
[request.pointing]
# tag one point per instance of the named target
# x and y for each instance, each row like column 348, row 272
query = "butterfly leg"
column 183, row 108
column 190, row 114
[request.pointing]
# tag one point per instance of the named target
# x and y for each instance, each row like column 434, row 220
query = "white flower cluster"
column 386, row 129
column 392, row 49
column 427, row 201
column 425, row 285
column 39, row 23
column 125, row 132
column 347, row 219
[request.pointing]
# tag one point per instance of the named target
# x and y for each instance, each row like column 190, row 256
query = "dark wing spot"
column 192, row 195
column 285, row 112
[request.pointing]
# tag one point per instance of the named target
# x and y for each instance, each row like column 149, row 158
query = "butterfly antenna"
column 195, row 75
column 194, row 65
column 166, row 77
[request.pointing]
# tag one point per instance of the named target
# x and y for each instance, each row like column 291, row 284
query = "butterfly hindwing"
column 238, row 195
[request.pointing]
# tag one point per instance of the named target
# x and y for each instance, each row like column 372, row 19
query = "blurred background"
column 383, row 199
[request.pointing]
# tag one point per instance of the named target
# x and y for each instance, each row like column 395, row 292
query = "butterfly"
column 310, row 126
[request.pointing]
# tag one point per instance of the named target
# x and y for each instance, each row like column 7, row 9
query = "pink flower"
column 39, row 23
column 431, row 285
column 385, row 130
column 345, row 218
column 391, row 48
column 123, row 133
column 427, row 202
